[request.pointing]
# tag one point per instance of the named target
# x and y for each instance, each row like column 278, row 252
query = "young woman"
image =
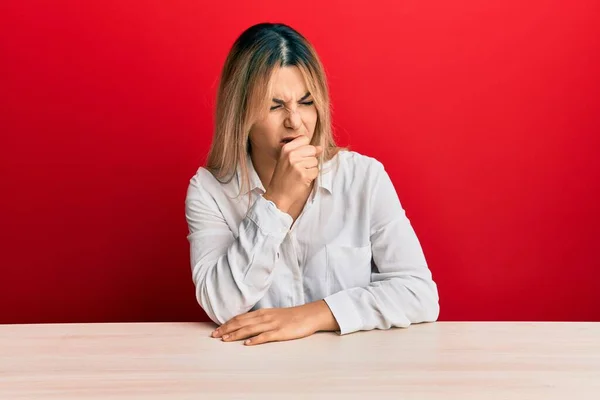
column 289, row 234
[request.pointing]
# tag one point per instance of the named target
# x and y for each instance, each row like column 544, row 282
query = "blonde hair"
column 244, row 91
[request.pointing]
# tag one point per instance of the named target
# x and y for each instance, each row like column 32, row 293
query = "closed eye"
column 306, row 103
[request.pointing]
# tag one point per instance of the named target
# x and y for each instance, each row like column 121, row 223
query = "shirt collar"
column 324, row 179
column 255, row 181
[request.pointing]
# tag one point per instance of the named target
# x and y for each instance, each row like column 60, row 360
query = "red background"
column 485, row 115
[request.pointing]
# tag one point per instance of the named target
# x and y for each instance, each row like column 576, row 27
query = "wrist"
column 323, row 317
column 281, row 202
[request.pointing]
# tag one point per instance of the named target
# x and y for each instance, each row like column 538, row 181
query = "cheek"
column 264, row 131
column 311, row 119
column 271, row 128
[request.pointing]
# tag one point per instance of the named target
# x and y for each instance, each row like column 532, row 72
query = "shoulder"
column 203, row 177
column 354, row 165
column 358, row 160
column 203, row 184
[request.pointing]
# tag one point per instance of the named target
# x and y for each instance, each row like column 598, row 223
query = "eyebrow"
column 279, row 101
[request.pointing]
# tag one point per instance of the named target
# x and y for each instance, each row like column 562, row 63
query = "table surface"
column 442, row 360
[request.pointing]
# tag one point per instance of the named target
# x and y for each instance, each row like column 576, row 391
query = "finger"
column 312, row 173
column 248, row 331
column 319, row 150
column 234, row 323
column 309, row 162
column 306, row 151
column 265, row 337
column 300, row 141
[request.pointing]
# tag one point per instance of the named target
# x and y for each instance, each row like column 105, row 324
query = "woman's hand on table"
column 278, row 324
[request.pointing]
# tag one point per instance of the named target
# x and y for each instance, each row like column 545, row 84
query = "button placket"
column 296, row 271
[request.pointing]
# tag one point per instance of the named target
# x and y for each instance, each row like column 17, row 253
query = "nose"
column 293, row 119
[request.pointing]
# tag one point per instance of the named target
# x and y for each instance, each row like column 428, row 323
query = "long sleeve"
column 402, row 292
column 232, row 274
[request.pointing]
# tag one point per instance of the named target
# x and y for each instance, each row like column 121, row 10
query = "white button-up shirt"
column 352, row 245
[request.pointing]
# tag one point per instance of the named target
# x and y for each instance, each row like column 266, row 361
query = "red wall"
column 486, row 117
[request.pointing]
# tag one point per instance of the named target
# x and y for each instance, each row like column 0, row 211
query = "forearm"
column 395, row 302
column 234, row 284
column 232, row 275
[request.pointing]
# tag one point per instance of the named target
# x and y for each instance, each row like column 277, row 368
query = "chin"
column 270, row 153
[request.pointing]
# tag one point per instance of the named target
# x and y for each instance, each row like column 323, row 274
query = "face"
column 292, row 113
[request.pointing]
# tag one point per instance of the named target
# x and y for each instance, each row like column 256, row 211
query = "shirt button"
column 278, row 255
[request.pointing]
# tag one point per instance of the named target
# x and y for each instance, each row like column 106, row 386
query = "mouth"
column 288, row 139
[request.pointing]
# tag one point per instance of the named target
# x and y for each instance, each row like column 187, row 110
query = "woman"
column 289, row 234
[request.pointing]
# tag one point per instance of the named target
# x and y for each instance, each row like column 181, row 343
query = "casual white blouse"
column 352, row 245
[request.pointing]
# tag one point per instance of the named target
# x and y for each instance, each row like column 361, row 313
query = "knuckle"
column 267, row 318
column 261, row 338
column 256, row 339
column 270, row 335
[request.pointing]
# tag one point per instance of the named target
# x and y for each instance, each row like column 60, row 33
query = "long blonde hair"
column 243, row 96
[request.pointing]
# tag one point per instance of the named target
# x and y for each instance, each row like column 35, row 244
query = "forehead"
column 287, row 83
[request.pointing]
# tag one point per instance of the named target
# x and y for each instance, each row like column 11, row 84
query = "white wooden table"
column 443, row 360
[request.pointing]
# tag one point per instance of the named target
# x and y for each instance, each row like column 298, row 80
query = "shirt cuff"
column 344, row 311
column 270, row 219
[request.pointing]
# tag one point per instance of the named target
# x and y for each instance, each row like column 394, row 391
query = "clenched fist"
column 295, row 170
